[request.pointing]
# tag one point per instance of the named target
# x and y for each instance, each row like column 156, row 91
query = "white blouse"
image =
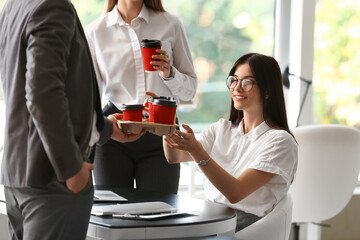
column 264, row 149
column 117, row 57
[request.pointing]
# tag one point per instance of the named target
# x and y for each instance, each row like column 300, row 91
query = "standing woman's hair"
column 155, row 5
column 268, row 76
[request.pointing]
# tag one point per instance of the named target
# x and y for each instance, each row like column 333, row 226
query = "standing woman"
column 114, row 41
column 249, row 160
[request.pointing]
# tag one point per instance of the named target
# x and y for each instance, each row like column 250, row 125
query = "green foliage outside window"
column 336, row 96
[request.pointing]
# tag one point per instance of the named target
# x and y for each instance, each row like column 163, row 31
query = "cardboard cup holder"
column 155, row 128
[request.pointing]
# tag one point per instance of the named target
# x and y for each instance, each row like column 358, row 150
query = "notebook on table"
column 142, row 210
column 107, row 196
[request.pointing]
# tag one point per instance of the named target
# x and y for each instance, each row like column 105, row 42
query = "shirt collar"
column 256, row 132
column 144, row 13
column 114, row 16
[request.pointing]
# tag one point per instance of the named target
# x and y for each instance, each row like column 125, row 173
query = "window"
column 336, row 61
column 336, row 89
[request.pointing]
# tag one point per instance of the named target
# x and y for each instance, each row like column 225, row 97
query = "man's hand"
column 119, row 135
column 78, row 182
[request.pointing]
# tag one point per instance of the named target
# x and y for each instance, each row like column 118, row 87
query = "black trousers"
column 244, row 219
column 143, row 161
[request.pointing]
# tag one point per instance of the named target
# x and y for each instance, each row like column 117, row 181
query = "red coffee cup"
column 148, row 49
column 163, row 111
column 132, row 112
column 149, row 107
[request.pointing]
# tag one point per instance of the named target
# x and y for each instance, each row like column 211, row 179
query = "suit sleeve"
column 49, row 33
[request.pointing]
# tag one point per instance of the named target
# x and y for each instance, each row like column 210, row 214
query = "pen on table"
column 125, row 215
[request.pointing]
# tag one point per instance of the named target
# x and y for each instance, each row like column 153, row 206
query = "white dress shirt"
column 262, row 148
column 116, row 52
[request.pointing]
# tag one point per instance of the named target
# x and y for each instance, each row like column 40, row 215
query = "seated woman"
column 249, row 160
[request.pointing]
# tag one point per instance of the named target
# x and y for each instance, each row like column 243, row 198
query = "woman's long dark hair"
column 268, row 76
column 155, row 5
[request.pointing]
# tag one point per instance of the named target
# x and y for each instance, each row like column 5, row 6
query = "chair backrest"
column 327, row 173
column 275, row 225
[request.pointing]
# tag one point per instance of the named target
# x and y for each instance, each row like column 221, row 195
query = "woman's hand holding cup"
column 155, row 58
column 162, row 63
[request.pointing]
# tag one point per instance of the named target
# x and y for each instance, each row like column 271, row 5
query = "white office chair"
column 275, row 225
column 327, row 173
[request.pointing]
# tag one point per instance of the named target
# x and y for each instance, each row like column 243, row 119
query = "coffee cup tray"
column 155, row 128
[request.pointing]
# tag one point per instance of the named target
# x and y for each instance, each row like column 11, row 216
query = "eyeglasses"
column 246, row 83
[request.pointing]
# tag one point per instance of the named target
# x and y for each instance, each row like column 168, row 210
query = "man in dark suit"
column 52, row 104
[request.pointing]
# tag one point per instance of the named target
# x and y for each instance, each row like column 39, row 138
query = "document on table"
column 148, row 216
column 107, row 196
column 141, row 210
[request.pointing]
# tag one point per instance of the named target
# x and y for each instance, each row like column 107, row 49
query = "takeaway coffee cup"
column 148, row 106
column 162, row 110
column 148, row 49
column 132, row 112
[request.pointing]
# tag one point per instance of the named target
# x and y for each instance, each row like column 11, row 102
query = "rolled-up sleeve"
column 278, row 157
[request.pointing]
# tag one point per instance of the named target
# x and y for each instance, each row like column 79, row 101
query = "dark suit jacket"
column 48, row 82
